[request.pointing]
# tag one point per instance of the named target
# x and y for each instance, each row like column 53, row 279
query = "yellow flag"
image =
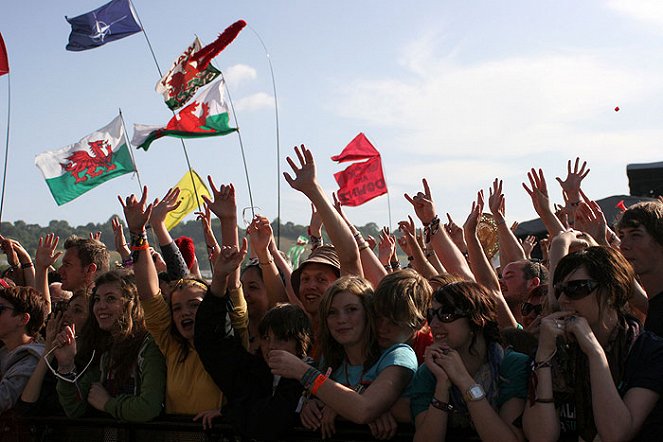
column 188, row 198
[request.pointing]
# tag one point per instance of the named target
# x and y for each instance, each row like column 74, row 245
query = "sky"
column 457, row 92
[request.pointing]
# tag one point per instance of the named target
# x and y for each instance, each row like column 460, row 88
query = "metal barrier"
column 166, row 429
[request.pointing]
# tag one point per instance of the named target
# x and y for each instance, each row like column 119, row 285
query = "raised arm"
column 44, row 258
column 373, row 270
column 137, row 213
column 224, row 207
column 481, row 267
column 571, row 186
column 305, row 181
column 120, row 241
column 411, row 247
column 260, row 235
column 450, row 256
column 538, row 192
column 510, row 248
column 175, row 264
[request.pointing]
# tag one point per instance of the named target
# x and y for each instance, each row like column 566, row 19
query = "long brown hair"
column 332, row 351
column 125, row 341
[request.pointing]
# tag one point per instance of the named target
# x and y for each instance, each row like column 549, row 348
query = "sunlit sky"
column 458, row 92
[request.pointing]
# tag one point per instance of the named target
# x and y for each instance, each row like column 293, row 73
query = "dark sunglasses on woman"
column 443, row 317
column 577, row 289
column 528, row 308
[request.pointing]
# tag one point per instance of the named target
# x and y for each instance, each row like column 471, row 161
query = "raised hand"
column 528, row 245
column 537, row 190
column 496, row 200
column 315, row 225
column 118, row 236
column 96, row 236
column 230, row 258
column 305, row 176
column 205, row 217
column 161, row 208
column 590, row 219
column 260, row 232
column 407, row 239
column 423, row 204
column 386, row 246
column 571, row 185
column 223, row 205
column 456, row 234
column 46, row 255
column 136, row 212
column 53, row 327
column 472, row 220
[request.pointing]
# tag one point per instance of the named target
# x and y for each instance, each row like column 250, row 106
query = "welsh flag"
column 95, row 159
column 206, row 116
column 184, row 78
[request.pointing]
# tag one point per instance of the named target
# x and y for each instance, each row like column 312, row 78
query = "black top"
column 254, row 407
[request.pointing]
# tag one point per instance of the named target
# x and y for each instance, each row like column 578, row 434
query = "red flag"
column 358, row 149
column 361, row 182
column 204, row 56
column 620, row 205
column 4, row 61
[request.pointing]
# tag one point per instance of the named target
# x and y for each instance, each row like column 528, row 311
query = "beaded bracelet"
column 138, row 243
column 395, row 265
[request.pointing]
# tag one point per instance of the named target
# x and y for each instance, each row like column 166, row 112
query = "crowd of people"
column 561, row 347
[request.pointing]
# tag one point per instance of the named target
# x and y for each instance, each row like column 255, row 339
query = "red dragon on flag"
column 82, row 162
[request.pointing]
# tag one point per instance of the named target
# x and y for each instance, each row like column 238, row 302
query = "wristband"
column 317, row 383
column 261, row 264
column 395, row 265
column 545, row 401
column 443, row 406
column 27, row 265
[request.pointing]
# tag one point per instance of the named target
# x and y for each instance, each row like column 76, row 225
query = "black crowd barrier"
column 167, row 429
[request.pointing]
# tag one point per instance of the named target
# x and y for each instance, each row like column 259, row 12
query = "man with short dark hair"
column 22, row 314
column 519, row 278
column 83, row 260
column 640, row 230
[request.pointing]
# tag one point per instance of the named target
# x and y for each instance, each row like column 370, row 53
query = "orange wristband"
column 317, row 383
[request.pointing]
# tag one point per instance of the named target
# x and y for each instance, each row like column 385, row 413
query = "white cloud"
column 494, row 108
column 238, row 74
column 254, row 102
column 648, row 11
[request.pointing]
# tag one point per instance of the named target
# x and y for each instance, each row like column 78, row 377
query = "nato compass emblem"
column 102, row 30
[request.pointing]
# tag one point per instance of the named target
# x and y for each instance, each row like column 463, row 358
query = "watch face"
column 476, row 392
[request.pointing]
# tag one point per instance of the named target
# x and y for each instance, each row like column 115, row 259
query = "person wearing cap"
column 312, row 278
column 326, row 263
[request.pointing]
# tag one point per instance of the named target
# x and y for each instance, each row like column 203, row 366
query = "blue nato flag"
column 112, row 21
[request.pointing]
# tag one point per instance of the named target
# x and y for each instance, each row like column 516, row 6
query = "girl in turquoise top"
column 468, row 381
column 364, row 383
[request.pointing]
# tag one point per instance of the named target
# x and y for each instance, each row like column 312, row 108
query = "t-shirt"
column 644, row 369
column 654, row 321
column 354, row 376
column 514, row 373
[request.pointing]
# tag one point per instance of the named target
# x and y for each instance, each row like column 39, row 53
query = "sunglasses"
column 528, row 308
column 443, row 317
column 577, row 289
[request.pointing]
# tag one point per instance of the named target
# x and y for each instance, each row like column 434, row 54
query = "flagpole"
column 186, row 154
column 131, row 150
column 241, row 147
column 4, row 173
column 278, row 141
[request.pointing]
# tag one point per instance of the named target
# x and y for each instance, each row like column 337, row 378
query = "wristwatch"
column 475, row 392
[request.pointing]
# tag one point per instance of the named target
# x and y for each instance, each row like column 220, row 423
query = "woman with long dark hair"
column 469, row 385
column 596, row 372
column 116, row 367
